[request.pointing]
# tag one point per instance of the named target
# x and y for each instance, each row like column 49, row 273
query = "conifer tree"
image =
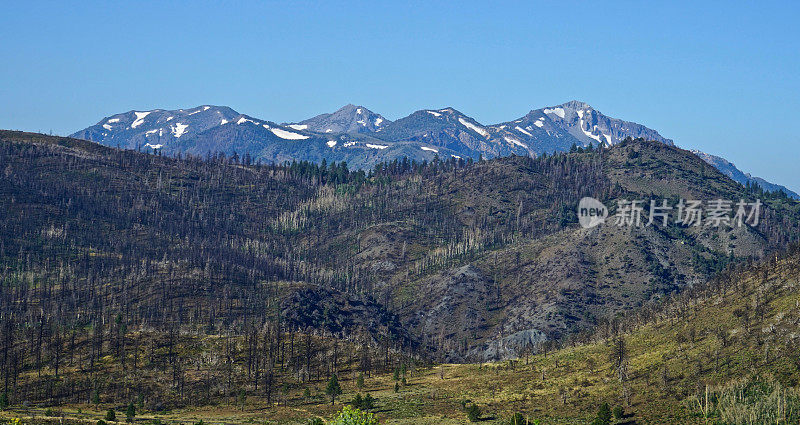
column 333, row 389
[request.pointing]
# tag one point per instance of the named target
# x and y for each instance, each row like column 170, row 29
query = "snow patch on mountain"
column 140, row 116
column 514, row 141
column 587, row 133
column 522, row 130
column 179, row 129
column 243, row 120
column 473, row 127
column 557, row 111
column 288, row 135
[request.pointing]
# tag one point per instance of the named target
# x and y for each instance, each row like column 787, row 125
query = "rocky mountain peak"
column 349, row 118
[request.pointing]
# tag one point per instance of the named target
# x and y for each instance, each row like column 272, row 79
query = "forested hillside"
column 188, row 280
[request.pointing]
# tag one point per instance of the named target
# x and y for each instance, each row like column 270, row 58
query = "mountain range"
column 364, row 138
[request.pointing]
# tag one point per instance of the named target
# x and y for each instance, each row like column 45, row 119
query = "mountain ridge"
column 363, row 138
column 349, row 118
column 730, row 170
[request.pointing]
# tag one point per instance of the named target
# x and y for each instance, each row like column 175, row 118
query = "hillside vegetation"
column 184, row 282
column 725, row 352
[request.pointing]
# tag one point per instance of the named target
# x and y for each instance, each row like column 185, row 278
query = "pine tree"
column 368, row 402
column 360, row 380
column 130, row 413
column 333, row 388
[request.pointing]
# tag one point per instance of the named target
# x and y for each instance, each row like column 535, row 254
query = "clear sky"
column 723, row 77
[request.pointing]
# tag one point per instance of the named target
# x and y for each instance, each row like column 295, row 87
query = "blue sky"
column 723, row 77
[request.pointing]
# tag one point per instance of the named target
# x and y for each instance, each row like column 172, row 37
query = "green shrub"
column 618, row 412
column 520, row 419
column 111, row 415
column 100, row 422
column 357, row 401
column 473, row 413
column 368, row 402
column 603, row 415
column 517, row 419
column 353, row 416
column 315, row 421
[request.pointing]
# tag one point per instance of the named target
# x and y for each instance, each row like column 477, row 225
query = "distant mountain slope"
column 156, row 128
column 730, row 170
column 363, row 138
column 449, row 128
column 557, row 128
column 348, row 119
